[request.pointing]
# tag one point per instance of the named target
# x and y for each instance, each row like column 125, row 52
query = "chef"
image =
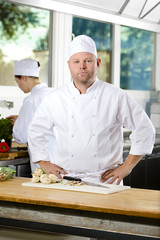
column 89, row 116
column 26, row 72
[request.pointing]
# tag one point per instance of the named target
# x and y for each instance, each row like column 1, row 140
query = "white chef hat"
column 26, row 67
column 82, row 43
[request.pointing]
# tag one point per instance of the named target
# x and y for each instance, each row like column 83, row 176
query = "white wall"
column 13, row 94
column 144, row 98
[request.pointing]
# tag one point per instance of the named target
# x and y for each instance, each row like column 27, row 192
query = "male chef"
column 89, row 116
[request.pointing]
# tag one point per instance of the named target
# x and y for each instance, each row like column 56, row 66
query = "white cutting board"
column 82, row 188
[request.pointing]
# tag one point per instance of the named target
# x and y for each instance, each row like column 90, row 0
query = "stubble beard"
column 86, row 79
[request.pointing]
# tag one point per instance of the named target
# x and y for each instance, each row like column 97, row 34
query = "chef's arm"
column 13, row 118
column 117, row 174
column 49, row 167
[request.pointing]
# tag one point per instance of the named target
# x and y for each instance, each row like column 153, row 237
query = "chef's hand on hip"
column 117, row 174
column 49, row 168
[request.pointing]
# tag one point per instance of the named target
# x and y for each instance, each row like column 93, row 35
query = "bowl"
column 3, row 176
column 6, row 173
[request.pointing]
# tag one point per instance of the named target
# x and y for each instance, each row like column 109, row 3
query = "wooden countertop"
column 132, row 202
column 13, row 154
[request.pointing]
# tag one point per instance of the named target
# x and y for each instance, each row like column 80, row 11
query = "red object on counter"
column 4, row 147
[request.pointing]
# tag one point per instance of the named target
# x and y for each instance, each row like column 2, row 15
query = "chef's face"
column 83, row 67
column 22, row 83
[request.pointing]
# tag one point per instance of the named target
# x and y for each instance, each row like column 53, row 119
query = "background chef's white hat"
column 82, row 43
column 26, row 67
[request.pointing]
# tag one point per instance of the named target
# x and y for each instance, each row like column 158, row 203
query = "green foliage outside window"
column 23, row 34
column 102, row 35
column 100, row 32
column 15, row 20
column 137, row 50
column 136, row 59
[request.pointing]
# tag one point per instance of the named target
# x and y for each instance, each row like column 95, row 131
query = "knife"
column 69, row 178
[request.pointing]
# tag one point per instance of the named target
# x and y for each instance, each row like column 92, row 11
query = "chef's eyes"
column 76, row 61
column 86, row 61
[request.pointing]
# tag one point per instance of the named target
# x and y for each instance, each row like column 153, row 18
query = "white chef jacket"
column 30, row 104
column 90, row 129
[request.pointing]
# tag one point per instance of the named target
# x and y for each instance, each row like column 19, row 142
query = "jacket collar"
column 75, row 91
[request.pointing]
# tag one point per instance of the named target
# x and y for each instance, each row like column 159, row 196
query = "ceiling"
column 146, row 10
column 143, row 14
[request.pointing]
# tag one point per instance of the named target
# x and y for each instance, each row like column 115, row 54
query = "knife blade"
column 69, row 178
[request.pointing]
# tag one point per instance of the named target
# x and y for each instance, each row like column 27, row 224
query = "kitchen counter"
column 14, row 157
column 124, row 215
column 15, row 152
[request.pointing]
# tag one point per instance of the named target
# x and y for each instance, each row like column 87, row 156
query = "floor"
column 13, row 234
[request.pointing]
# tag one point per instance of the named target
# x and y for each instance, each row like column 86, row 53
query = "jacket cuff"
column 40, row 156
column 141, row 149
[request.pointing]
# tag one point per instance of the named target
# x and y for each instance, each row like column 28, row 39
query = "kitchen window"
column 102, row 35
column 137, row 54
column 23, row 34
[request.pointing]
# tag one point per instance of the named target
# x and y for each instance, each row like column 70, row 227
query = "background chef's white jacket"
column 90, row 134
column 30, row 104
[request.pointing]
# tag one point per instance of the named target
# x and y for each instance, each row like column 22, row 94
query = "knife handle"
column 71, row 178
